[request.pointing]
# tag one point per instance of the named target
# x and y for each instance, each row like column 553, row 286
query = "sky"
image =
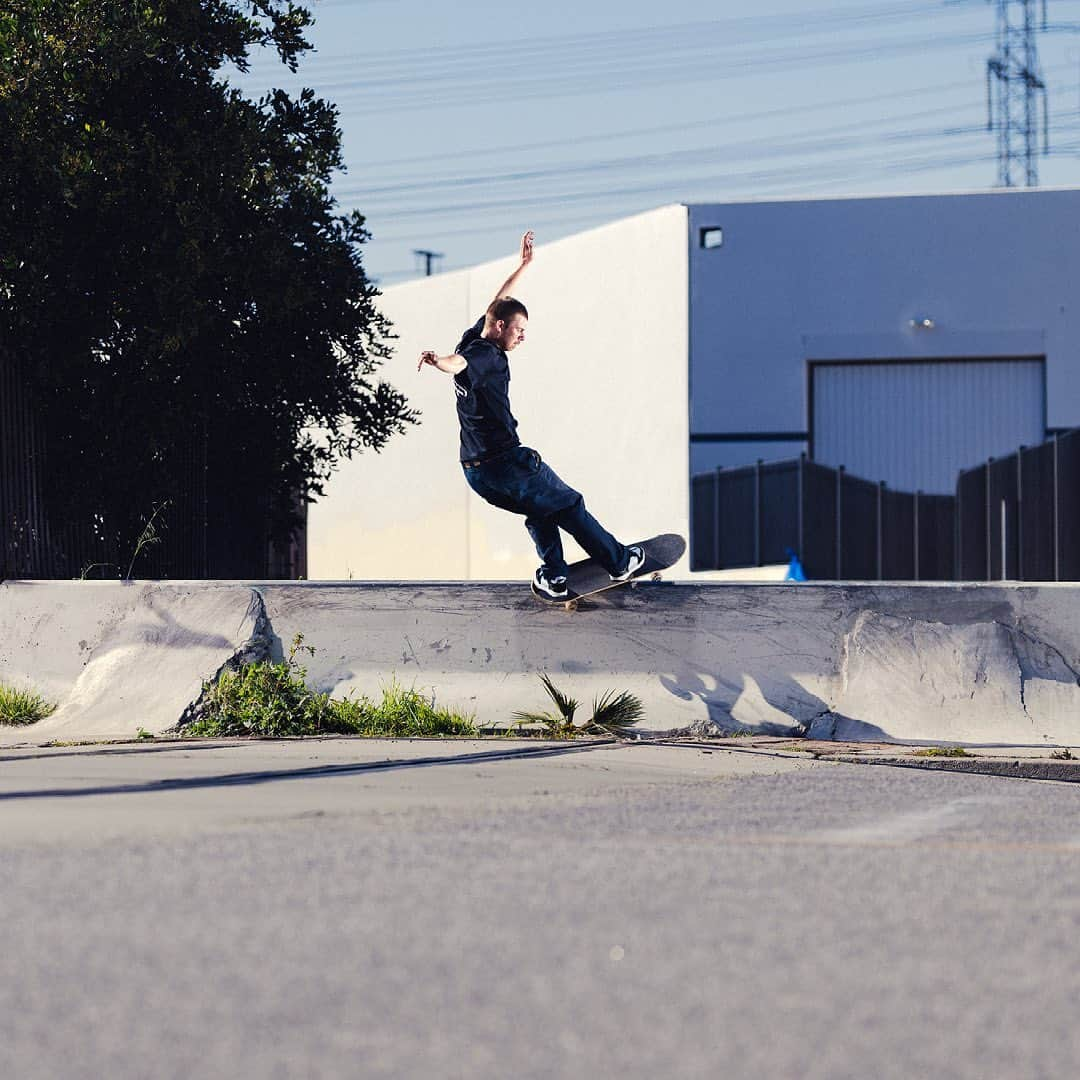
column 466, row 123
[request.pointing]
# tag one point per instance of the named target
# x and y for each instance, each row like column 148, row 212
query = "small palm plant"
column 611, row 714
column 616, row 712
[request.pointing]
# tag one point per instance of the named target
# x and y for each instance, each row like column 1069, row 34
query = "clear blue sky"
column 464, row 123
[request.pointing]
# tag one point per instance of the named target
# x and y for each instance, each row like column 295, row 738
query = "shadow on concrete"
column 313, row 772
column 138, row 628
column 800, row 712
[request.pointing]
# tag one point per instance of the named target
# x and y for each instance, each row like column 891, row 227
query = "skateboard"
column 587, row 577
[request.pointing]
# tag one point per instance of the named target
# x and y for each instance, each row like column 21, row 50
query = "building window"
column 711, row 237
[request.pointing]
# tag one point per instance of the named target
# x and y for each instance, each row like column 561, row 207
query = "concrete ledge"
column 907, row 663
column 117, row 656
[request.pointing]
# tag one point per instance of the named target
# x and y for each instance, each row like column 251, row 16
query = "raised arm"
column 507, row 287
column 454, row 363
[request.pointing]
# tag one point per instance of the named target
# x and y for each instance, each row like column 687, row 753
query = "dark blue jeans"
column 518, row 481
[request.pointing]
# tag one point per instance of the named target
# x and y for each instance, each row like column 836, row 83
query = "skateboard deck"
column 587, row 577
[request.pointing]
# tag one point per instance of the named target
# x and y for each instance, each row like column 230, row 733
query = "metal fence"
column 842, row 527
column 1014, row 518
column 1019, row 516
column 215, row 526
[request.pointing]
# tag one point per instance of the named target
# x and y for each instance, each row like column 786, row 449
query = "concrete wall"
column 962, row 663
column 841, row 279
column 115, row 656
column 599, row 388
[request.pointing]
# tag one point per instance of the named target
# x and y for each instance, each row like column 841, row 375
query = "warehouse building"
column 904, row 338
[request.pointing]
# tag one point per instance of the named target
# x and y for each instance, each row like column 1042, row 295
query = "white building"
column 903, row 337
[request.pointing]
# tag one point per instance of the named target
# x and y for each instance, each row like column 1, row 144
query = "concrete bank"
column 978, row 664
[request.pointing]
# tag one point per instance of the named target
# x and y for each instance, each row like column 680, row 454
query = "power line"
column 380, row 96
column 606, row 193
column 788, row 109
column 732, row 29
column 590, row 186
column 765, row 183
column 808, row 140
column 809, row 144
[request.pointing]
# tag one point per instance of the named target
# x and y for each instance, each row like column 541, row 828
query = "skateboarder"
column 502, row 471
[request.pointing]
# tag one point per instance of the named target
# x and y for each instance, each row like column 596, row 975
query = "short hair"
column 504, row 308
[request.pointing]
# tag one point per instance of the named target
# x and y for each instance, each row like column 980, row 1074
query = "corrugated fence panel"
column 1068, row 486
column 1037, row 512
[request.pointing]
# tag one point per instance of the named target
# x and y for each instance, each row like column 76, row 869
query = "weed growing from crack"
column 274, row 700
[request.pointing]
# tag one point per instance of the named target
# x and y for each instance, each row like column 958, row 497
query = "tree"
column 171, row 263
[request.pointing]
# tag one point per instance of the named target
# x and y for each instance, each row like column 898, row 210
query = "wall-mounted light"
column 712, row 237
column 922, row 322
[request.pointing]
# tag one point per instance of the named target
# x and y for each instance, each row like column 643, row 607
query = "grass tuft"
column 274, row 700
column 403, row 713
column 21, row 707
column 941, row 751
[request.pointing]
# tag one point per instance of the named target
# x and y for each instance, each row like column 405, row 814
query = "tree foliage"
column 171, row 261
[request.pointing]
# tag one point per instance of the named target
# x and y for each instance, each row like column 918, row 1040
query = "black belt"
column 490, row 457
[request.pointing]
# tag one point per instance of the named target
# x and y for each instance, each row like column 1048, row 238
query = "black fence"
column 1014, row 518
column 841, row 527
column 1019, row 516
column 215, row 526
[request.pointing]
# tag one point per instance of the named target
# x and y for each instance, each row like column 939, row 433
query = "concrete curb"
column 1018, row 762
column 1068, row 771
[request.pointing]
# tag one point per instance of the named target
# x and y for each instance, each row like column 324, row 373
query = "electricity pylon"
column 1014, row 87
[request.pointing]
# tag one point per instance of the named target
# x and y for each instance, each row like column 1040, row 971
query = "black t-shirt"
column 483, row 397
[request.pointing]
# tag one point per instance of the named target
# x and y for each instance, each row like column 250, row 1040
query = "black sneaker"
column 637, row 561
column 553, row 588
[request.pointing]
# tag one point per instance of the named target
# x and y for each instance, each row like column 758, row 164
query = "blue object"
column 794, row 570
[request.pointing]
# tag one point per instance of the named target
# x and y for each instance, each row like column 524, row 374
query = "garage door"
column 916, row 425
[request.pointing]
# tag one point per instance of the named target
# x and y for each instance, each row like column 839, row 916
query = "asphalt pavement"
column 346, row 908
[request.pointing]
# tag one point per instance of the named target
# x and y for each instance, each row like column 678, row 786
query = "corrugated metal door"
column 916, row 425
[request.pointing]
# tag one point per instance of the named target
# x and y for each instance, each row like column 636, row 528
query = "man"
column 502, row 471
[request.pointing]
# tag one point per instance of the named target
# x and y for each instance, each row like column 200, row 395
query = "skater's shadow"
column 766, row 704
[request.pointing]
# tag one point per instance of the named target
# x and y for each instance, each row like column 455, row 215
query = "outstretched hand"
column 527, row 248
column 426, row 357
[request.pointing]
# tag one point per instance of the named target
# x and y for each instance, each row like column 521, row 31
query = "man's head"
column 505, row 322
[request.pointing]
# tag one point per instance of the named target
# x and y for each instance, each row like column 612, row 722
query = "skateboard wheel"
column 571, row 605
column 656, row 575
